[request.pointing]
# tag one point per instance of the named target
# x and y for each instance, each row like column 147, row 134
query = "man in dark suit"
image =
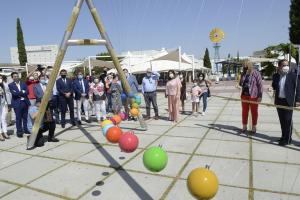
column 65, row 91
column 20, row 103
column 81, row 90
column 287, row 93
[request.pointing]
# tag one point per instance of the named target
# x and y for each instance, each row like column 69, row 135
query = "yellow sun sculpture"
column 216, row 35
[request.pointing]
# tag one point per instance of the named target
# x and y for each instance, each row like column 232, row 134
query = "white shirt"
column 282, row 86
column 82, row 84
column 19, row 87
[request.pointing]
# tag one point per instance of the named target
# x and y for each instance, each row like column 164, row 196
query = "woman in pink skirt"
column 173, row 93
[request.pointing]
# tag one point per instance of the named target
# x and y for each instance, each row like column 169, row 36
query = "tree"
column 206, row 59
column 295, row 22
column 21, row 44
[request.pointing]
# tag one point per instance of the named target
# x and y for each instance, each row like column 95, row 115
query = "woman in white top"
column 97, row 95
column 4, row 107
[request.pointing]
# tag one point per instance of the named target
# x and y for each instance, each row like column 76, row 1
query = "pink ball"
column 113, row 121
column 123, row 115
column 128, row 142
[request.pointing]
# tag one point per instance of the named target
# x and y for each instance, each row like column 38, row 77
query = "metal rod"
column 77, row 42
column 90, row 68
column 59, row 58
column 112, row 53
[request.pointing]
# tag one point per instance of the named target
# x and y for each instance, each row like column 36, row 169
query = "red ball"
column 114, row 134
column 117, row 119
column 113, row 121
column 128, row 142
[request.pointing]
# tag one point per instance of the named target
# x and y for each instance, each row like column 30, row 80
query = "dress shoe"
column 19, row 135
column 63, row 125
column 53, row 140
column 88, row 121
column 156, row 117
column 284, row 142
column 147, row 118
column 78, row 122
column 74, row 124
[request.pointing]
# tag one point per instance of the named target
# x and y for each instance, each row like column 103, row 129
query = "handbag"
column 208, row 90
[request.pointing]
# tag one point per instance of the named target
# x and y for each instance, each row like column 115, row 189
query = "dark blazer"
column 290, row 85
column 63, row 87
column 78, row 90
column 16, row 94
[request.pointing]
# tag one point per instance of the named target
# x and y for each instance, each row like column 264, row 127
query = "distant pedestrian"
column 97, row 98
column 252, row 90
column 116, row 91
column 134, row 88
column 204, row 84
column 149, row 87
column 33, row 78
column 195, row 94
column 4, row 107
column 182, row 91
column 173, row 88
column 286, row 94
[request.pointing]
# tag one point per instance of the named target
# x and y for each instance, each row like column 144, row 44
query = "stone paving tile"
column 154, row 129
column 30, row 169
column 191, row 132
column 180, row 192
column 194, row 124
column 28, row 194
column 127, row 188
column 6, row 188
column 237, row 171
column 285, row 178
column 183, row 145
column 226, row 135
column 69, row 151
column 8, row 158
column 273, row 196
column 71, row 180
column 145, row 140
column 224, row 148
column 12, row 142
column 107, row 156
column 171, row 169
column 265, row 152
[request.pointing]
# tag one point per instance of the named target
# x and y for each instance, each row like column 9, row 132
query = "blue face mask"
column 80, row 76
column 43, row 82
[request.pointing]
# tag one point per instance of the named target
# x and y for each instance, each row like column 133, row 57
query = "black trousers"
column 150, row 97
column 64, row 102
column 47, row 126
column 286, row 121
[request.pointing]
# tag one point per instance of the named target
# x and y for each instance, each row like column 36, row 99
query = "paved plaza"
column 83, row 165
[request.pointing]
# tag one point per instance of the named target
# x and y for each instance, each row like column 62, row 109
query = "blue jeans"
column 204, row 96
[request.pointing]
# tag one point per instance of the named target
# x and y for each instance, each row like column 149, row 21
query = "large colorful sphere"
column 105, row 122
column 155, row 159
column 138, row 99
column 117, row 119
column 114, row 134
column 134, row 112
column 203, row 183
column 123, row 115
column 105, row 128
column 128, row 142
column 135, row 105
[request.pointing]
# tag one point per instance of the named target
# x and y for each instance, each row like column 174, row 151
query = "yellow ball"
column 105, row 122
column 135, row 105
column 203, row 183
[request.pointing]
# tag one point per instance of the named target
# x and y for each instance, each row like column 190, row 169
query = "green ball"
column 155, row 159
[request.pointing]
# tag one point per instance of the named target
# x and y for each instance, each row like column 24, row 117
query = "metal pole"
column 90, row 68
column 112, row 52
column 179, row 52
column 59, row 58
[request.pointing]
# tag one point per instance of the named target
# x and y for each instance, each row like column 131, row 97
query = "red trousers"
column 253, row 108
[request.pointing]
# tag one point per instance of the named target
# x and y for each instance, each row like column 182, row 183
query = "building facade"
column 44, row 54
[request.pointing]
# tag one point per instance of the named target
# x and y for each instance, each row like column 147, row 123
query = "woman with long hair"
column 252, row 90
column 204, row 84
column 173, row 88
column 182, row 90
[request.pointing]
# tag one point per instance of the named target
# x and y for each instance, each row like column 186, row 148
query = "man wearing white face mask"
column 149, row 85
column 287, row 93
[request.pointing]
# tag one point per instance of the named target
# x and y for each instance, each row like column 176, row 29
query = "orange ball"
column 134, row 112
column 114, row 134
column 117, row 119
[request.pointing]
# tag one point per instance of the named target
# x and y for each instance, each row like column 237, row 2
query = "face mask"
column 201, row 77
column 171, row 75
column 96, row 81
column 126, row 74
column 31, row 78
column 148, row 74
column 80, row 76
column 63, row 76
column 43, row 81
column 285, row 69
column 180, row 76
column 195, row 84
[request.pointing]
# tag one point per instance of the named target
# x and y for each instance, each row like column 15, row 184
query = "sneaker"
column 203, row 113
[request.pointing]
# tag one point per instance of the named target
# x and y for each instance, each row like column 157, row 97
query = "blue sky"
column 249, row 25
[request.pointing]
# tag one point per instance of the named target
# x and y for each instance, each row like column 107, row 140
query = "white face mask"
column 180, row 76
column 285, row 69
column 171, row 75
column 195, row 84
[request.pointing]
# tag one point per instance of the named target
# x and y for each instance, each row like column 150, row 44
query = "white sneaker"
column 203, row 113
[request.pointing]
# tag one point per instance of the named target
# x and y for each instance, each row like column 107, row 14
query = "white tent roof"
column 173, row 56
